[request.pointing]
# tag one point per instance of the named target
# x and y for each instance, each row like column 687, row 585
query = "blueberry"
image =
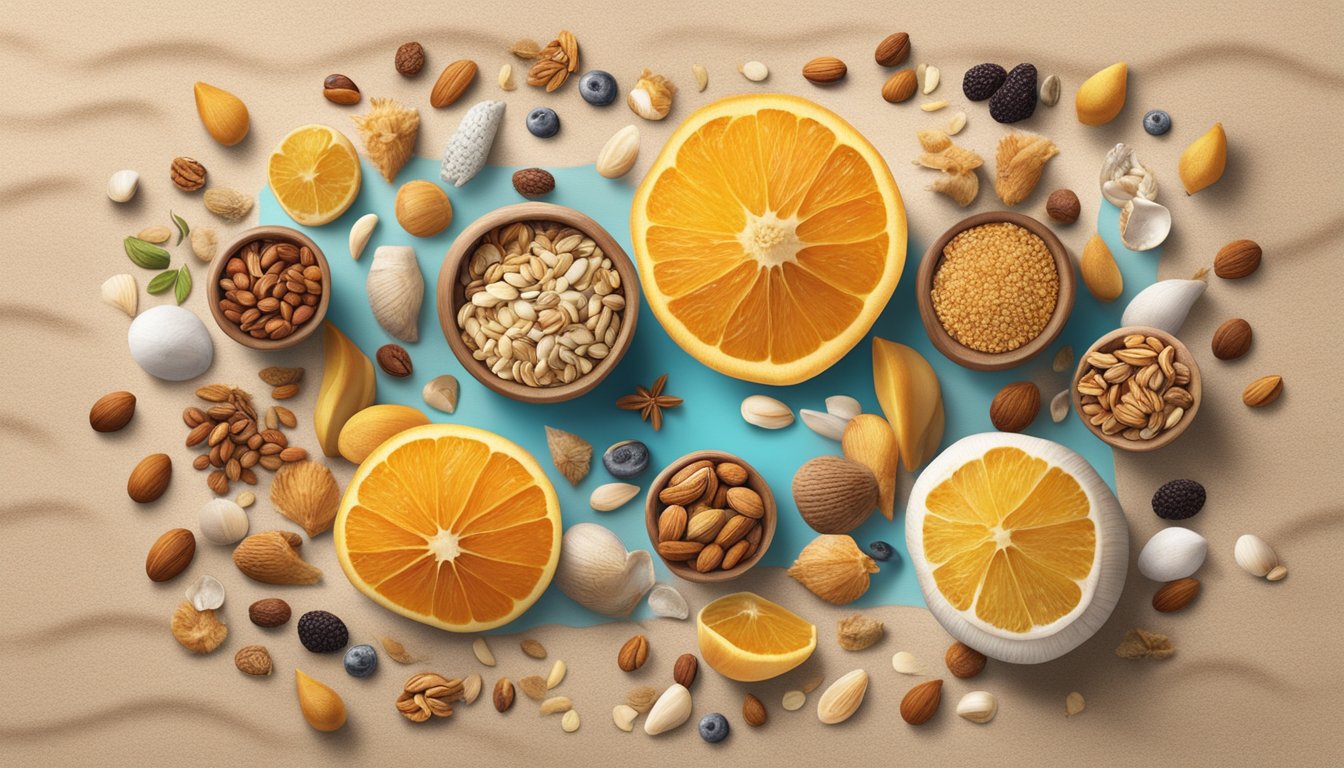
column 714, row 728
column 881, row 550
column 627, row 458
column 361, row 661
column 543, row 123
column 1157, row 122
column 598, row 88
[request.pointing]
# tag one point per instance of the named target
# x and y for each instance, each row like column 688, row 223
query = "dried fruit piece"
column 981, row 81
column 1063, row 206
column 1100, row 273
column 869, row 440
column 1015, row 100
column 1020, row 159
column 198, row 631
column 389, row 132
column 321, row 706
column 651, row 98
column 857, row 632
column 908, row 391
column 1143, row 644
column 1074, row 704
column 1101, row 96
column 1203, row 162
column 833, row 568
column 223, row 114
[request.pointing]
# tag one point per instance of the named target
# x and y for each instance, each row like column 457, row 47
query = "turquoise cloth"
column 710, row 417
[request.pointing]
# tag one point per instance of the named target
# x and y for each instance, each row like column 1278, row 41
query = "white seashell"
column 469, row 147
column 121, row 292
column 1164, row 305
column 618, row 155
column 978, row 706
column 842, row 698
column 827, row 425
column 667, row 603
column 1172, row 553
column 843, row 406
column 396, row 290
column 206, row 593
column 170, row 343
column 623, row 715
column 1255, row 556
column 1144, row 225
column 223, row 522
column 360, row 232
column 1123, row 177
column 611, row 496
column 670, row 710
column 905, row 663
column 121, row 186
column 754, row 71
column 441, row 393
column 596, row 572
column 766, row 412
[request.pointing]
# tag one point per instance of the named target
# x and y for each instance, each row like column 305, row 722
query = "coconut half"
column 1100, row 590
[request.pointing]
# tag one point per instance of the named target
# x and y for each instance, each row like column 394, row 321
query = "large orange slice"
column 769, row 235
column 745, row 637
column 451, row 526
column 314, row 174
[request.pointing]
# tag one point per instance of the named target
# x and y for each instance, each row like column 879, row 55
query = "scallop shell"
column 1123, row 177
column 306, row 492
column 1144, row 225
column 121, row 292
column 396, row 290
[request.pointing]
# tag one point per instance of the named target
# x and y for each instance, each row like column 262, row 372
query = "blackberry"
column 322, row 632
column 982, row 80
column 1178, row 500
column 1016, row 98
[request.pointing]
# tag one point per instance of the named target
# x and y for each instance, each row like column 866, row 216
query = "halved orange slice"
column 315, row 175
column 745, row 637
column 769, row 235
column 449, row 525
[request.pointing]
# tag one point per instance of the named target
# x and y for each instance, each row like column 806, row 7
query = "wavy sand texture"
column 90, row 671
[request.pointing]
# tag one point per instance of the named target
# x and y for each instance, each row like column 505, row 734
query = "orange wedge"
column 451, row 526
column 314, row 174
column 769, row 235
column 745, row 637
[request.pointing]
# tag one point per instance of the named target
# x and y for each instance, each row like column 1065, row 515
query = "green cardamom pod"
column 182, row 229
column 162, row 281
column 183, row 287
column 145, row 254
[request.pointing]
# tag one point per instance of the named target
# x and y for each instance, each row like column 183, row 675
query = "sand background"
column 89, row 670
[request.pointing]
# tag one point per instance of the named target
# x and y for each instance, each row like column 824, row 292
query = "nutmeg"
column 834, row 495
column 410, row 59
column 1063, row 206
column 964, row 661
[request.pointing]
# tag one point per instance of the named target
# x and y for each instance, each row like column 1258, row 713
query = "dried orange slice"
column 314, row 174
column 745, row 637
column 1015, row 538
column 769, row 235
column 451, row 526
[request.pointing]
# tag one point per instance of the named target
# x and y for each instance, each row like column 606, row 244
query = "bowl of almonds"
column 710, row 516
column 1137, row 388
column 538, row 302
column 270, row 288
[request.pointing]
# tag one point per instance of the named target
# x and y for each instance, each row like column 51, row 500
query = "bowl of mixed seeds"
column 995, row 290
column 538, row 302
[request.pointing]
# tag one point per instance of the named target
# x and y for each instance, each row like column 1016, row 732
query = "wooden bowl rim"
column 449, row 299
column 1195, row 387
column 268, row 232
column 755, row 481
column 984, row 361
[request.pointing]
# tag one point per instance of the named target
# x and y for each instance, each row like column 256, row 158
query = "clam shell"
column 666, row 602
column 306, row 492
column 396, row 290
column 1172, row 553
column 1123, row 177
column 1144, row 225
column 1254, row 555
column 121, row 292
column 223, row 522
column 597, row 572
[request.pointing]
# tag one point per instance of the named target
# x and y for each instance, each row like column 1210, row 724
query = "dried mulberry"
column 982, row 80
column 1015, row 100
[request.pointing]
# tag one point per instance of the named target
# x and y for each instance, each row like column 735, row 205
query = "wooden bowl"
column 452, row 295
column 1115, row 339
column 653, row 508
column 230, row 329
column 986, row 361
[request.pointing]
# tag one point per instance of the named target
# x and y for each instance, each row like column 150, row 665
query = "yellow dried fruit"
column 1101, row 96
column 1020, row 160
column 321, row 706
column 833, row 568
column 1100, row 273
column 198, row 631
column 963, row 188
column 368, row 429
column 1203, row 162
column 908, row 391
column 651, row 98
column 870, row 440
column 389, row 132
column 959, row 180
column 223, row 114
column 857, row 632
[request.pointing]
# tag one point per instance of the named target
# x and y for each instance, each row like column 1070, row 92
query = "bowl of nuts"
column 995, row 290
column 538, row 302
column 1137, row 388
column 710, row 516
column 270, row 288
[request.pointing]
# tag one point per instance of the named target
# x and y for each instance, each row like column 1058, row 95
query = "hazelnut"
column 1063, row 206
column 410, row 59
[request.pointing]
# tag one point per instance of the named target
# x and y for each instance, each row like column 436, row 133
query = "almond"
column 633, row 654
column 452, row 83
column 747, row 502
column 679, row 551
column 688, row 470
column 900, row 86
column 1237, row 259
column 964, row 661
column 672, row 523
column 1232, row 339
column 112, row 411
column 1175, row 595
column 1263, row 391
column 893, row 50
column 1015, row 406
column 842, row 699
column 271, row 557
column 684, row 671
column 730, row 473
column 733, row 531
column 503, row 695
column 170, row 554
column 753, row 711
column 921, row 702
column 150, row 478
column 688, row 490
column 824, row 69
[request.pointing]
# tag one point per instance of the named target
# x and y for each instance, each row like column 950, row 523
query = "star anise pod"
column 650, row 402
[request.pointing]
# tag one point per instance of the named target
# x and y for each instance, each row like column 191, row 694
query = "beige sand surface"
column 88, row 671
